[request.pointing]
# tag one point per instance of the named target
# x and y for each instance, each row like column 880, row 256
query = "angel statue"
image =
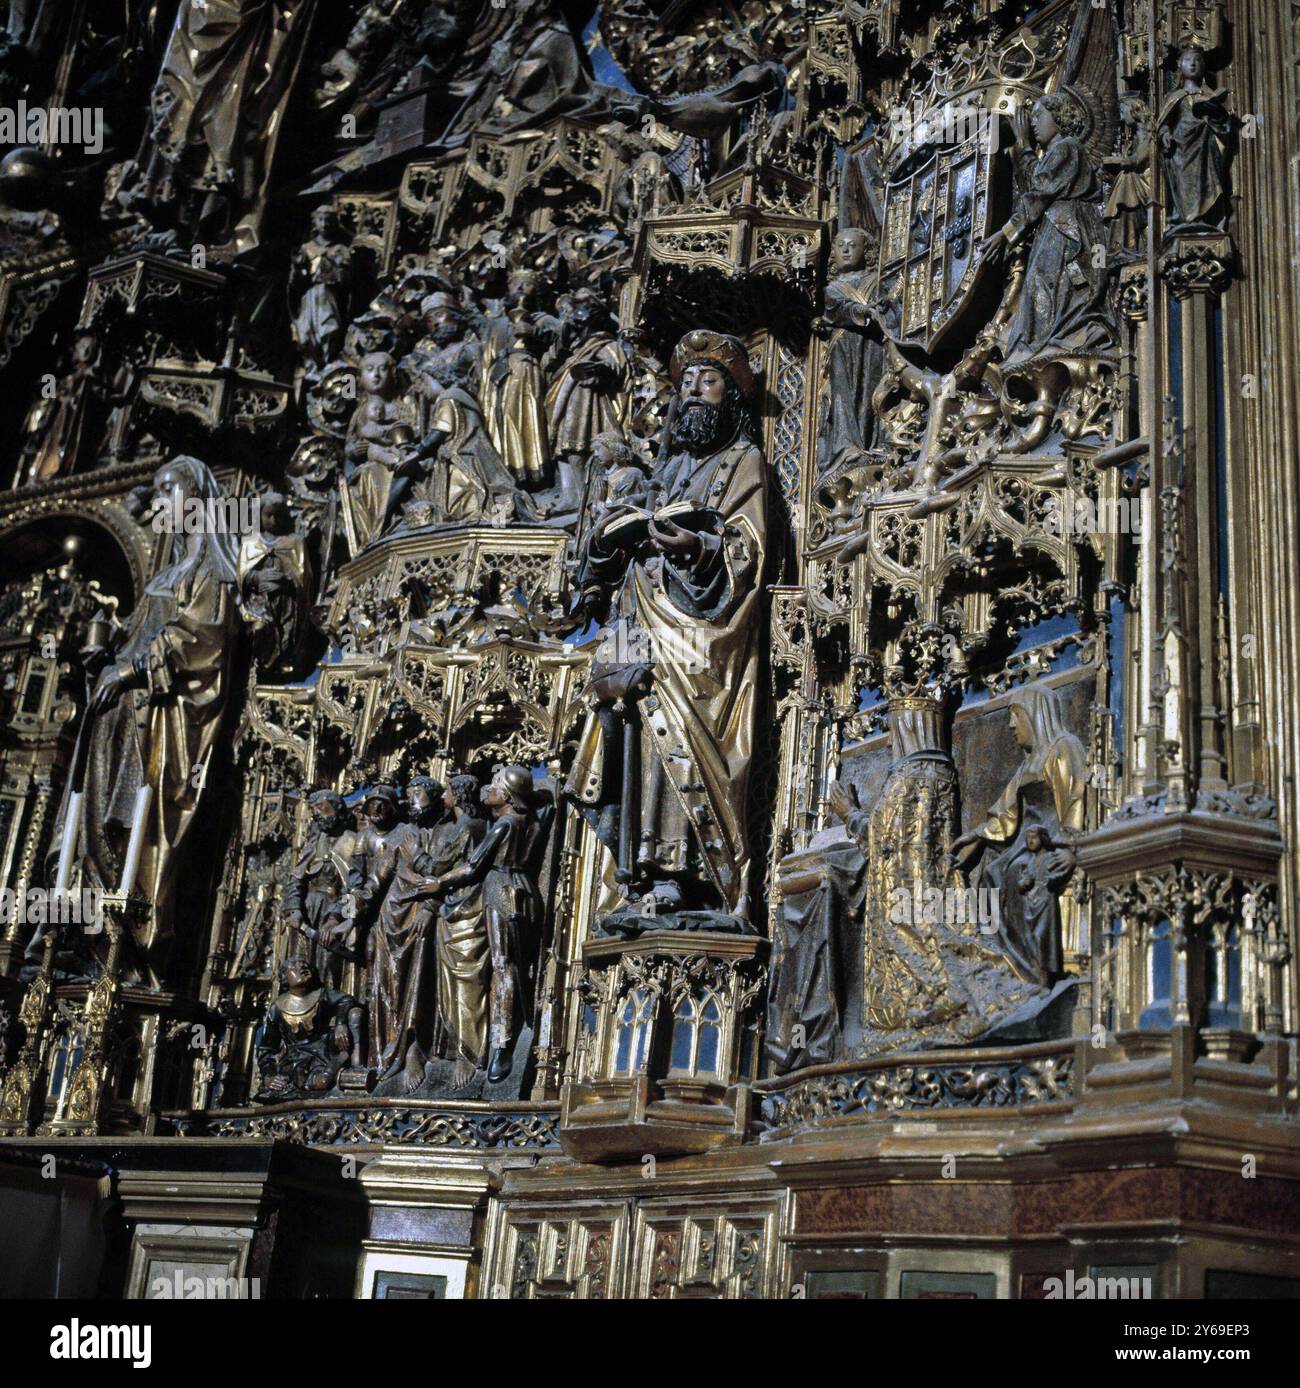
column 1062, row 305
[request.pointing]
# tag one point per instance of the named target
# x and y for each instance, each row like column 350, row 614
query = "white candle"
column 143, row 798
column 68, row 849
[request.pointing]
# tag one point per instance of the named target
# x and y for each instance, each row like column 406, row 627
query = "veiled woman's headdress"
column 1042, row 707
column 218, row 555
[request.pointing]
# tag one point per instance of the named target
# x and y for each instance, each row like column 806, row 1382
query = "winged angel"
column 1062, row 304
column 1053, row 331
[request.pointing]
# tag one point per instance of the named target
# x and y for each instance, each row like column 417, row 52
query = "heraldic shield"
column 935, row 221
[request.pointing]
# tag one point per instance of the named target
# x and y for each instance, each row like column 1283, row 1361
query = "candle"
column 143, row 798
column 68, row 849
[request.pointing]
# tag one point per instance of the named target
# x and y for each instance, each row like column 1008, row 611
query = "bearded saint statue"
column 663, row 765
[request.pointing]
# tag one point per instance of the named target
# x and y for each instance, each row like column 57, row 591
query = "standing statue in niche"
column 1130, row 194
column 1062, row 307
column 155, row 716
column 662, row 769
column 69, row 427
column 254, row 943
column 1028, row 836
column 588, row 394
column 931, row 977
column 274, row 585
column 319, row 281
column 498, row 865
column 514, row 400
column 1194, row 132
column 847, row 428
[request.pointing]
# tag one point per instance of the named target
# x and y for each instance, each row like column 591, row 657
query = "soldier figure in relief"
column 312, row 902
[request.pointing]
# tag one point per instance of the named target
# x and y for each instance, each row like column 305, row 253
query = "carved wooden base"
column 637, row 1116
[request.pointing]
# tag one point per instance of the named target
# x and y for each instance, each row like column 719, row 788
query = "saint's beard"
column 702, row 429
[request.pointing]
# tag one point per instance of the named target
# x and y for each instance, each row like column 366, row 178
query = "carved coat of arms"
column 935, row 219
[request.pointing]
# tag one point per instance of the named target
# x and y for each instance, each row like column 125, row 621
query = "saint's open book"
column 634, row 525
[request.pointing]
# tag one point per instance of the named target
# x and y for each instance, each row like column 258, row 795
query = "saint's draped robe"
column 699, row 625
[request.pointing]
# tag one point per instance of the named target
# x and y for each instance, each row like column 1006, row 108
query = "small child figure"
column 1040, row 877
column 625, row 474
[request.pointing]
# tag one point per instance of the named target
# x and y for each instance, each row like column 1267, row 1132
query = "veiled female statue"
column 931, row 976
column 381, row 435
column 1028, row 835
column 1062, row 306
column 157, row 707
column 1194, row 131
